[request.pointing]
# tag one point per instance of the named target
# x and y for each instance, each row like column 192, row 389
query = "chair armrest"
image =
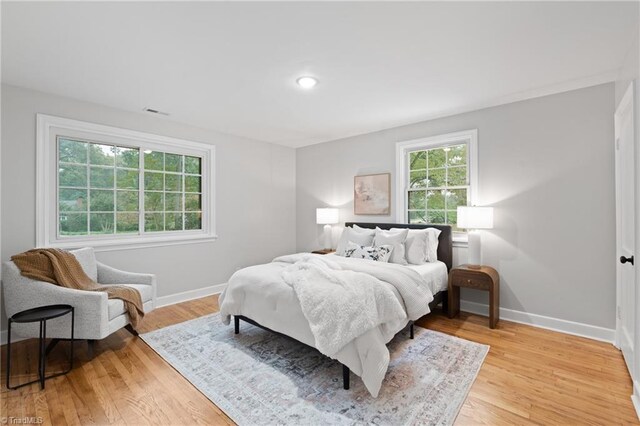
column 25, row 293
column 38, row 293
column 109, row 275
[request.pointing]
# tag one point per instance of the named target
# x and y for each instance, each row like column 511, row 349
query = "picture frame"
column 372, row 194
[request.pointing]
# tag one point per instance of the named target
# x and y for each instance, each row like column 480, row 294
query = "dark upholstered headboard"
column 445, row 245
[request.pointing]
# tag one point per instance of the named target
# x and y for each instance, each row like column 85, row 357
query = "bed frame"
column 445, row 254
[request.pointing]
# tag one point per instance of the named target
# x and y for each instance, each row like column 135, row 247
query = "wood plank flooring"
column 531, row 376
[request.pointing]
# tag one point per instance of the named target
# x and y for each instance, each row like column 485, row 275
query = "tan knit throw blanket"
column 61, row 267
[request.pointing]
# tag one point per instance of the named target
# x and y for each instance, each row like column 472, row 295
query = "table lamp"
column 327, row 217
column 472, row 219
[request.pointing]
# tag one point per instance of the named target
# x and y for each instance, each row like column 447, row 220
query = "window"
column 435, row 176
column 104, row 186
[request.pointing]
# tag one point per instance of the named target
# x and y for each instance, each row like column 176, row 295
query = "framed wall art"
column 372, row 194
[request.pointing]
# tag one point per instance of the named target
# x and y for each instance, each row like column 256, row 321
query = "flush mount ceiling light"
column 306, row 82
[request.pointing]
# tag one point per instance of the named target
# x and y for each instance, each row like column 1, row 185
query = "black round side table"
column 41, row 314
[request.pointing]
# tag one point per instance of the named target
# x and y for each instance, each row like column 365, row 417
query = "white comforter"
column 346, row 308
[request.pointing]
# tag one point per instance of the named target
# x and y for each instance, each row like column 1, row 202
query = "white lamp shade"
column 326, row 216
column 475, row 217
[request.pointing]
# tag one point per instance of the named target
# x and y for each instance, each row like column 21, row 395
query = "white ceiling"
column 232, row 67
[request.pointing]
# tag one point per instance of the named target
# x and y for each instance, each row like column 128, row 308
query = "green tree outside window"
column 438, row 182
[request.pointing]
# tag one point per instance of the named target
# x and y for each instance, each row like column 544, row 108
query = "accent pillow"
column 422, row 245
column 379, row 253
column 395, row 238
column 432, row 244
column 361, row 236
column 416, row 246
column 87, row 259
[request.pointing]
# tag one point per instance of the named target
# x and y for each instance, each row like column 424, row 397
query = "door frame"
column 631, row 98
column 635, row 98
column 623, row 106
column 635, row 397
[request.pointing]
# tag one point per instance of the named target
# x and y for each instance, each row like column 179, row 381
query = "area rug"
column 260, row 378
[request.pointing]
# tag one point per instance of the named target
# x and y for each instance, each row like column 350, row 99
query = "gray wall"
column 630, row 68
column 547, row 167
column 255, row 194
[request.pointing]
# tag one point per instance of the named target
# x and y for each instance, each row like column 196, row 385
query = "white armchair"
column 96, row 316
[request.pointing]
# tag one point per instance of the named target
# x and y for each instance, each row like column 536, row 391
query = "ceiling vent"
column 155, row 111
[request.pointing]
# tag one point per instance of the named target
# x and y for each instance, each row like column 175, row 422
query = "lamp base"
column 474, row 266
column 473, row 252
column 327, row 237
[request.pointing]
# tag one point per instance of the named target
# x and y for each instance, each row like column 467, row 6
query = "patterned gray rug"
column 258, row 378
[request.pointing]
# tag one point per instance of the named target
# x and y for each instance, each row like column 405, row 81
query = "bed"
column 259, row 295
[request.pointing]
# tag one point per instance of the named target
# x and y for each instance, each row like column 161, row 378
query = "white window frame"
column 470, row 137
column 49, row 128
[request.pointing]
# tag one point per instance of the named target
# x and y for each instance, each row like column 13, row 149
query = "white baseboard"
column 635, row 398
column 185, row 296
column 563, row 326
column 171, row 299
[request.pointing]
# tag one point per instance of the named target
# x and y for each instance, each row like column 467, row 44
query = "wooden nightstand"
column 323, row 251
column 485, row 278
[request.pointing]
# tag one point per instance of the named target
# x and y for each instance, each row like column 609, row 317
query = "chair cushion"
column 87, row 259
column 116, row 306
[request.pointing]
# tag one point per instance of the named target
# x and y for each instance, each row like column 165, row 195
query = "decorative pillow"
column 361, row 236
column 378, row 253
column 421, row 245
column 432, row 244
column 87, row 259
column 416, row 246
column 395, row 238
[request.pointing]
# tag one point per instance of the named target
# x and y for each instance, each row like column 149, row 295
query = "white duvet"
column 347, row 308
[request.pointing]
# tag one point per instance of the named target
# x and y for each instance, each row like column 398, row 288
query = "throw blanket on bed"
column 340, row 305
column 315, row 299
column 62, row 268
column 344, row 298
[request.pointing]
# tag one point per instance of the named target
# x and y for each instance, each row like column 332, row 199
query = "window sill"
column 461, row 242
column 133, row 243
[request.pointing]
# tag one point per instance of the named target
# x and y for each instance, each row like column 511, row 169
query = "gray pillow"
column 87, row 259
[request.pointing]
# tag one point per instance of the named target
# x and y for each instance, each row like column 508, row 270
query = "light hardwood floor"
column 531, row 376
